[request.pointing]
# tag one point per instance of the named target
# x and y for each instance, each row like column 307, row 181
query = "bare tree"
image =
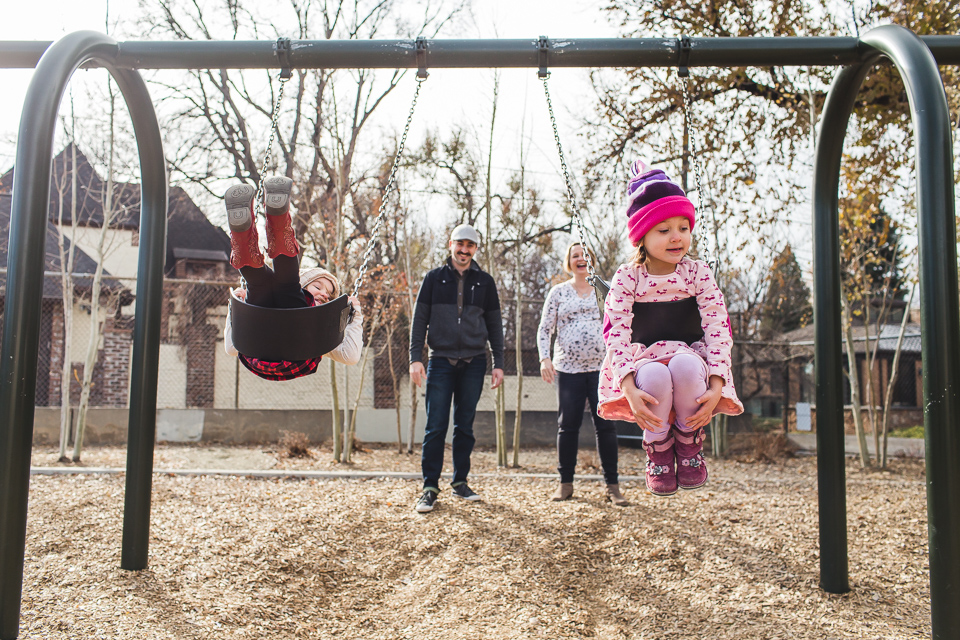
column 111, row 208
column 225, row 116
column 66, row 255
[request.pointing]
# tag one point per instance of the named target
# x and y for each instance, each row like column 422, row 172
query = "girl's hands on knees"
column 547, row 372
column 639, row 401
column 708, row 402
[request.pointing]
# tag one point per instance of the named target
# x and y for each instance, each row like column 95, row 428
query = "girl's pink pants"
column 676, row 385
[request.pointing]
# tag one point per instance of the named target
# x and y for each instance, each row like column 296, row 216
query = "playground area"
column 245, row 557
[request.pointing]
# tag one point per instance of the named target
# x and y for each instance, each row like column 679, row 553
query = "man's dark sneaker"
column 426, row 501
column 463, row 491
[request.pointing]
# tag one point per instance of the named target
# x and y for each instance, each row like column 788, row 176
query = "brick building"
column 197, row 254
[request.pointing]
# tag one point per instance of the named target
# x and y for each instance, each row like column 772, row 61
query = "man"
column 459, row 304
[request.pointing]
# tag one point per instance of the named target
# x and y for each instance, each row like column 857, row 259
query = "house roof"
column 90, row 192
column 189, row 233
column 888, row 335
column 188, row 229
column 82, row 263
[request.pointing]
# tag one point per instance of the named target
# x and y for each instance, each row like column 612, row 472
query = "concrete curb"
column 905, row 447
column 260, row 473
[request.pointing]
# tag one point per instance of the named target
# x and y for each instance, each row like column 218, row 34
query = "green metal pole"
column 145, row 363
column 487, row 53
column 940, row 314
column 940, row 324
column 28, row 228
column 21, row 322
column 831, row 474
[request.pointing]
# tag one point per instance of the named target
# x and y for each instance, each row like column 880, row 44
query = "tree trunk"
column 894, row 368
column 90, row 361
column 336, row 424
column 66, row 285
column 411, row 308
column 853, row 375
column 352, row 428
column 518, row 320
column 396, row 386
column 786, row 394
column 870, row 359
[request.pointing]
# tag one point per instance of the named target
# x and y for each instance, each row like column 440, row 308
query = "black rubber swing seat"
column 291, row 335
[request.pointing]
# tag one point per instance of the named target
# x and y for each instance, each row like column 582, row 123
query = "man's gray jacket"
column 454, row 333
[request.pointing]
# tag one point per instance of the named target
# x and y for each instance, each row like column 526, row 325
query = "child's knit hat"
column 653, row 198
column 316, row 273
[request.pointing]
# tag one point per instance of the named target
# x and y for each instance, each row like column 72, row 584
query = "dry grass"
column 234, row 557
column 294, row 444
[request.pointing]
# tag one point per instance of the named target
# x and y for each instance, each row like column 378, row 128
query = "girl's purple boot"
column 691, row 467
column 661, row 475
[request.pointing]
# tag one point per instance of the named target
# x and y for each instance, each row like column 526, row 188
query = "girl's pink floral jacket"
column 632, row 283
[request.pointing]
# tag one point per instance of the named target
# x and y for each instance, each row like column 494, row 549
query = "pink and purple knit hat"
column 653, row 198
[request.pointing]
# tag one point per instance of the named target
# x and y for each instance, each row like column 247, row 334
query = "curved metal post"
column 28, row 227
column 145, row 362
column 940, row 323
column 940, row 315
column 831, row 475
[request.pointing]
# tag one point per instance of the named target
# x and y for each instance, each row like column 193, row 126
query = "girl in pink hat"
column 667, row 333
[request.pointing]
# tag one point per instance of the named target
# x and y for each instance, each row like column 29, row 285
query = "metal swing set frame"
column 916, row 59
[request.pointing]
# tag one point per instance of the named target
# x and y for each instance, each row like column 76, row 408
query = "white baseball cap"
column 465, row 232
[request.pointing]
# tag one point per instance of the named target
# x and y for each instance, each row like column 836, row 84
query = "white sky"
column 450, row 96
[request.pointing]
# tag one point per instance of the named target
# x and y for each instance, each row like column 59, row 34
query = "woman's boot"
column 691, row 467
column 564, row 492
column 614, row 495
column 281, row 240
column 660, row 472
column 244, row 241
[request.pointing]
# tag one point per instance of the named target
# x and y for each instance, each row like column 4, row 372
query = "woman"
column 571, row 311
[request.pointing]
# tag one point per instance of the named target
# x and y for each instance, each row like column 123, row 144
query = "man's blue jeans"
column 462, row 385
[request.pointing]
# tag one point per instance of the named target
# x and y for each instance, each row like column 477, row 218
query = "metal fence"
column 196, row 372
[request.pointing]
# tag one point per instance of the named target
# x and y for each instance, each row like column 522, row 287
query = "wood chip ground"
column 236, row 557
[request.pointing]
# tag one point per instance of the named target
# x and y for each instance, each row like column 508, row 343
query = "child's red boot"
column 661, row 475
column 281, row 240
column 691, row 467
column 244, row 242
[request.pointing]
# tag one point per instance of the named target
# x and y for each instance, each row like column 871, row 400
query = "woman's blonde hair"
column 566, row 257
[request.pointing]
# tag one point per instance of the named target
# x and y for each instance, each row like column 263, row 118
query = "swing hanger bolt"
column 282, row 50
column 543, row 50
column 685, row 46
column 422, row 59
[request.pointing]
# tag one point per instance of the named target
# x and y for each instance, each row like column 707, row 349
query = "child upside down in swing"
column 286, row 286
column 668, row 337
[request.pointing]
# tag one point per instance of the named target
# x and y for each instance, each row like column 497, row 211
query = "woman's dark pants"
column 573, row 391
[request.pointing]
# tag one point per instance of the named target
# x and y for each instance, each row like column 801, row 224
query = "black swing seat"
column 275, row 335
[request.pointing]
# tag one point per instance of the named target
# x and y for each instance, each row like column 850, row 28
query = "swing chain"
column 571, row 195
column 391, row 180
column 274, row 128
column 703, row 248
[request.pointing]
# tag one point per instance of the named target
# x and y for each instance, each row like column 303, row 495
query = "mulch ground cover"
column 237, row 557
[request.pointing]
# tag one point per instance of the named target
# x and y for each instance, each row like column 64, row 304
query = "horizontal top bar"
column 490, row 53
